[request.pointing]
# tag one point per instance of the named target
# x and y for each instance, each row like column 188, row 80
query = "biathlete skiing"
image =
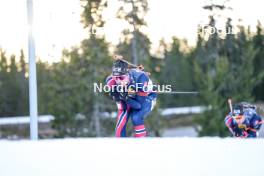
column 131, row 89
column 243, row 121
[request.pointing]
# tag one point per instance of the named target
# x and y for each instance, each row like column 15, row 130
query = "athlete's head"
column 120, row 72
column 238, row 113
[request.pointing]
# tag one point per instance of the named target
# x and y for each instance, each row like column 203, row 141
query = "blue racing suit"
column 248, row 128
column 138, row 106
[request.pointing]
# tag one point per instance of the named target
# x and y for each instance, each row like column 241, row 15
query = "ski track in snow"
column 132, row 157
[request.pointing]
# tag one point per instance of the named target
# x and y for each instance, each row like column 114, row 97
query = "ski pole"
column 119, row 57
column 230, row 104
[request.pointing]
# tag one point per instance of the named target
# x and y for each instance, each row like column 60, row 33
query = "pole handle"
column 230, row 104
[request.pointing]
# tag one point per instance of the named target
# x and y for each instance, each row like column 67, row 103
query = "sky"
column 57, row 23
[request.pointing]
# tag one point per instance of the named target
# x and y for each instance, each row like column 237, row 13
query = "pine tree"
column 70, row 97
column 177, row 72
column 258, row 42
column 3, row 81
column 135, row 42
column 230, row 74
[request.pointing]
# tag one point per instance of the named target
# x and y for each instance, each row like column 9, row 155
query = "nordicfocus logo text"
column 138, row 87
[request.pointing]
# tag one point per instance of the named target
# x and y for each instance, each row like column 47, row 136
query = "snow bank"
column 132, row 157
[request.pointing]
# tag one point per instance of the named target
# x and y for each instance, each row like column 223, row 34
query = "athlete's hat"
column 119, row 68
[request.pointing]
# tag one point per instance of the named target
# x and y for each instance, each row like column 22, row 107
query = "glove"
column 244, row 134
column 257, row 124
column 114, row 95
column 123, row 96
column 131, row 93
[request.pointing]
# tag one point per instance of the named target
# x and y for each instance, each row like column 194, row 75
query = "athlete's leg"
column 122, row 118
column 137, row 118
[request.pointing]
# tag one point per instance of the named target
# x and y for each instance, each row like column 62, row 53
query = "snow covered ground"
column 133, row 157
